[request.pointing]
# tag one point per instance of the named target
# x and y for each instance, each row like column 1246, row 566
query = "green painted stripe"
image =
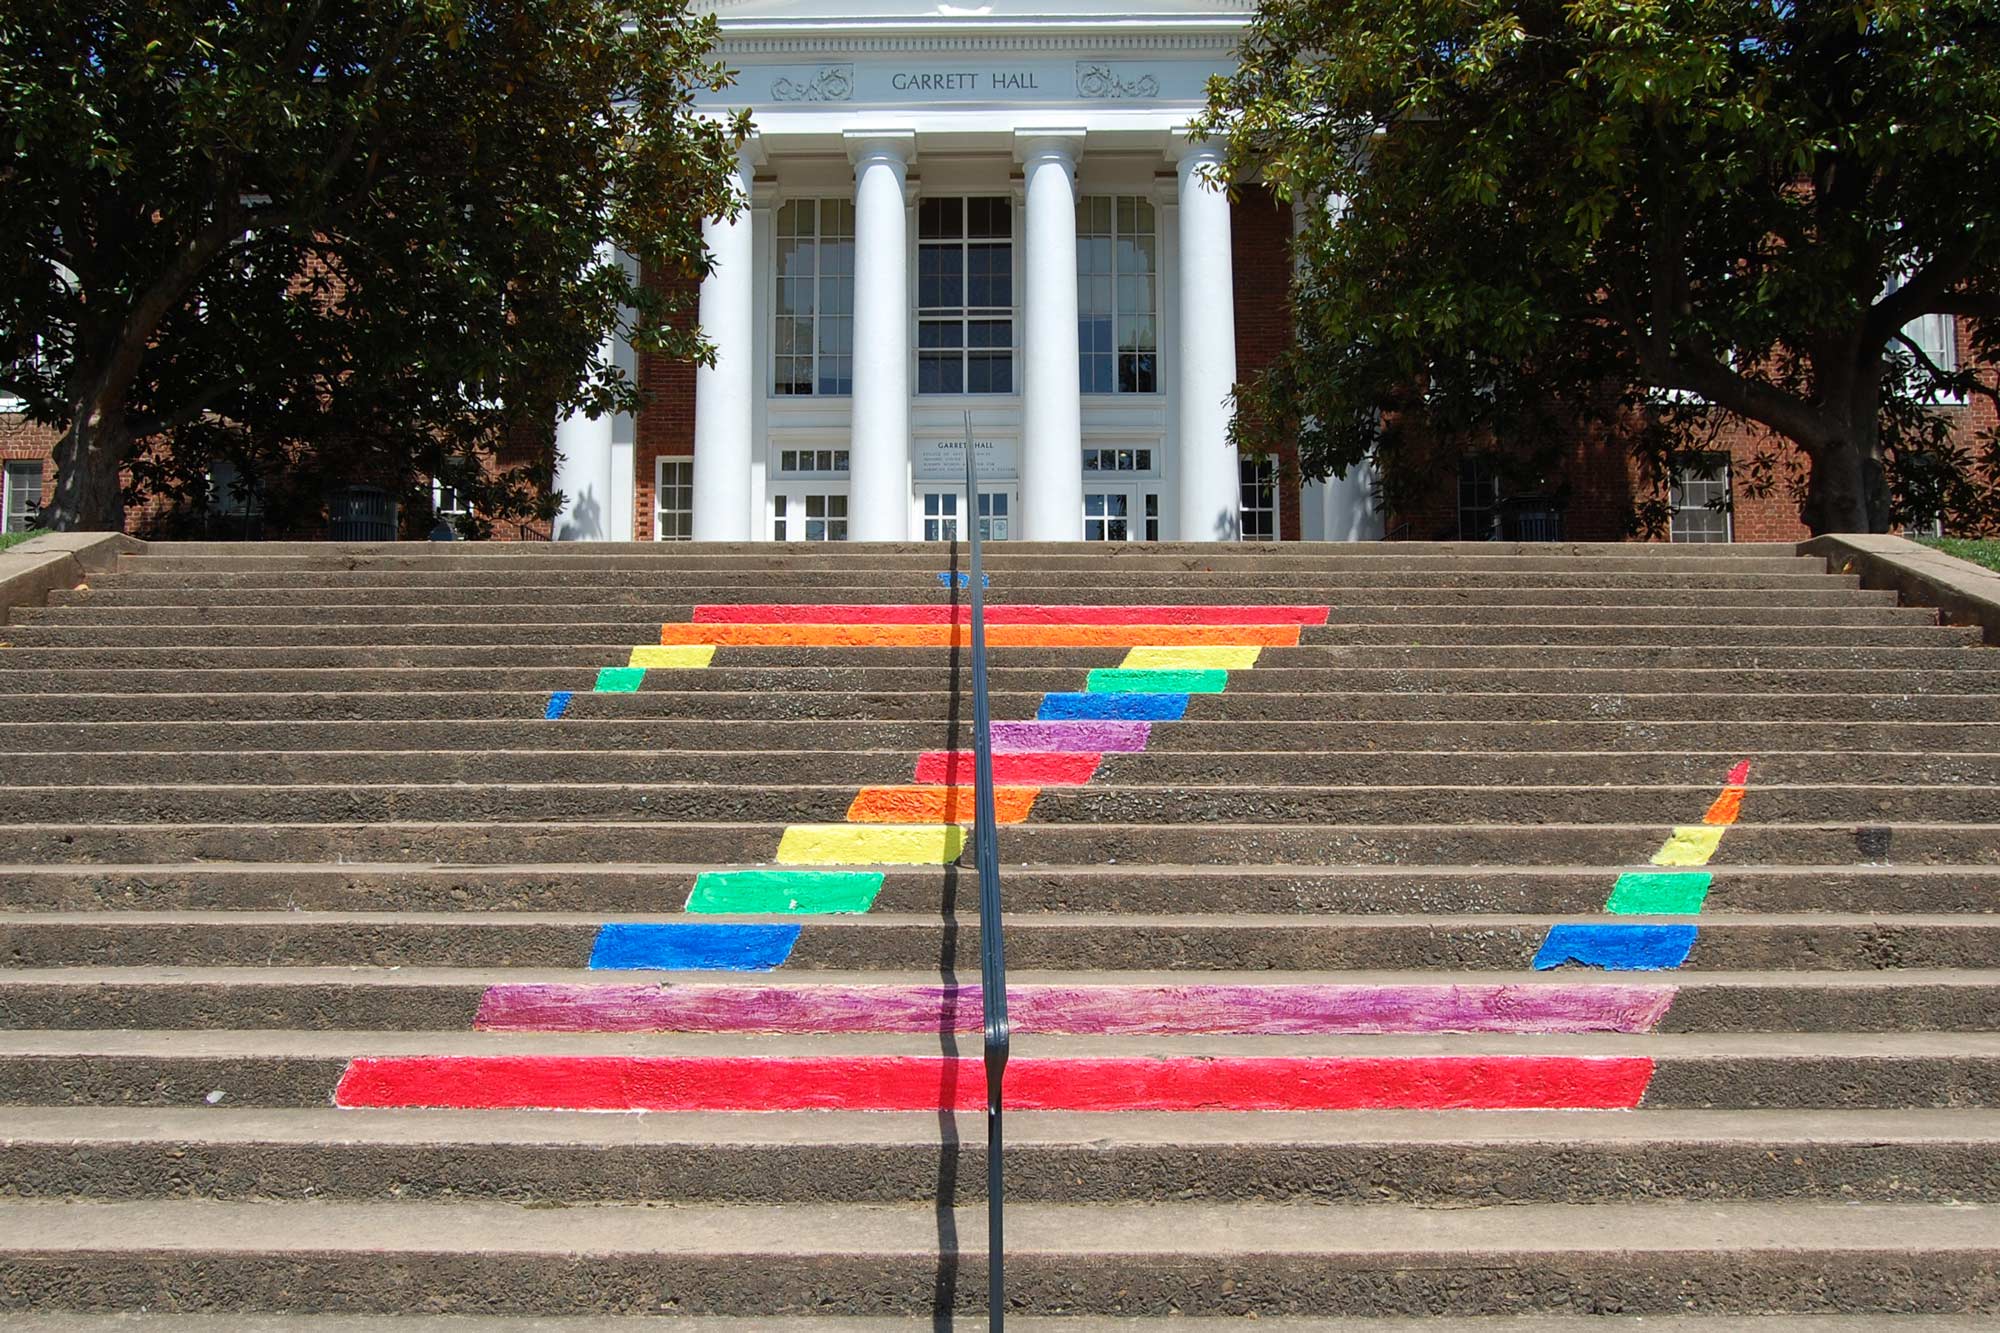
column 619, row 680
column 793, row 892
column 1660, row 895
column 1141, row 680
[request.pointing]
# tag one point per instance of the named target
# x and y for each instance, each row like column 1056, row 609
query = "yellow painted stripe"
column 1689, row 846
column 674, row 655
column 870, row 845
column 1194, row 656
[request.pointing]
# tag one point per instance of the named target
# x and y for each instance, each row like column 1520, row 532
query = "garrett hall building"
column 987, row 221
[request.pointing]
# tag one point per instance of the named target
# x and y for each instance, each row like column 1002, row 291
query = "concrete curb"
column 55, row 560
column 1963, row 592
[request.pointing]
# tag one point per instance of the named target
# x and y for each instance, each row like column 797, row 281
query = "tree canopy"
column 331, row 243
column 1536, row 215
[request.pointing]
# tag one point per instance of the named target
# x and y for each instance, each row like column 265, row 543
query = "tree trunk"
column 1848, row 490
column 89, row 496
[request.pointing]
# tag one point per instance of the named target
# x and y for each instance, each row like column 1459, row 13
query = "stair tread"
column 1328, row 1233
column 79, row 1126
column 174, row 1043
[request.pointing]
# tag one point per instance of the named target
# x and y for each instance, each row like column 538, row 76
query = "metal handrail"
column 992, row 954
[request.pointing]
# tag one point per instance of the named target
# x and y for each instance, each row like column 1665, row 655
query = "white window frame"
column 11, row 402
column 827, row 331
column 1257, row 478
column 1143, row 503
column 448, row 501
column 811, row 462
column 676, row 516
column 791, row 515
column 1688, row 479
column 21, row 503
column 938, row 510
column 1937, row 335
column 1127, row 219
column 965, row 315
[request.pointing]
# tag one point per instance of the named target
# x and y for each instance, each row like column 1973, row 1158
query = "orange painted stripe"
column 936, row 805
column 1726, row 808
column 999, row 636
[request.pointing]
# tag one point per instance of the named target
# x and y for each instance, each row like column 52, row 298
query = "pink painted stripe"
column 1101, row 737
column 1027, row 768
column 1019, row 613
column 929, row 1083
column 1076, row 1010
column 1739, row 775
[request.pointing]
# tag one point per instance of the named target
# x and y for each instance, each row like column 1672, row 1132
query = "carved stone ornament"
column 1102, row 81
column 833, row 83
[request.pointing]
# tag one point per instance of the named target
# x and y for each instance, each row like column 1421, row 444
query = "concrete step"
column 941, row 706
column 373, row 979
column 1419, row 1159
column 1551, row 844
column 605, row 732
column 1966, row 660
column 612, row 889
column 722, row 798
column 1281, row 768
column 1275, row 680
column 1691, row 1071
column 1211, row 1259
column 269, row 591
column 1583, row 1323
column 590, row 559
column 1413, row 626
column 1402, row 632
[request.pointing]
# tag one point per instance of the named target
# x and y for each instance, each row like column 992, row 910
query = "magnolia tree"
column 337, row 242
column 1532, row 216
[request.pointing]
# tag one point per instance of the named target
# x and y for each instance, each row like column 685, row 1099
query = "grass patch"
column 1983, row 551
column 8, row 539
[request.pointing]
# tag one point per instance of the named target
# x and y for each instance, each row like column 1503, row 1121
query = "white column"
column 583, row 459
column 1206, row 458
column 1052, row 415
column 878, row 478
column 725, row 393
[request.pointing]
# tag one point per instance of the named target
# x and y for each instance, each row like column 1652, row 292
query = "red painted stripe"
column 1739, row 775
column 928, row 1083
column 953, row 768
column 1023, row 613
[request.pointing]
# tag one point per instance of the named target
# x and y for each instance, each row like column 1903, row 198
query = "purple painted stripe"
column 1095, row 1010
column 1049, row 737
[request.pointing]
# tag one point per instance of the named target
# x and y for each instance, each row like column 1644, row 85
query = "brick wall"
column 22, row 440
column 665, row 426
column 1260, row 234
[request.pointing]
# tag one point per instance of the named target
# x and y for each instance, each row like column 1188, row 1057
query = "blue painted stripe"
column 1618, row 948
column 558, row 705
column 692, row 947
column 1112, row 707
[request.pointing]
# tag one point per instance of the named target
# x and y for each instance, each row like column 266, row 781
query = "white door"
column 939, row 512
column 1113, row 513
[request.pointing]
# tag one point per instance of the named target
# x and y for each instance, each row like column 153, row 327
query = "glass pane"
column 1117, row 530
column 940, row 373
column 939, row 218
column 940, row 333
column 1093, row 505
column 990, row 217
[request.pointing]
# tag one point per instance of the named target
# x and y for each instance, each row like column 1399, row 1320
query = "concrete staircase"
column 1397, row 933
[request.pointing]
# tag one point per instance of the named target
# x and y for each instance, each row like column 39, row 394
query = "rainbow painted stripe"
column 1173, row 653
column 1679, row 889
